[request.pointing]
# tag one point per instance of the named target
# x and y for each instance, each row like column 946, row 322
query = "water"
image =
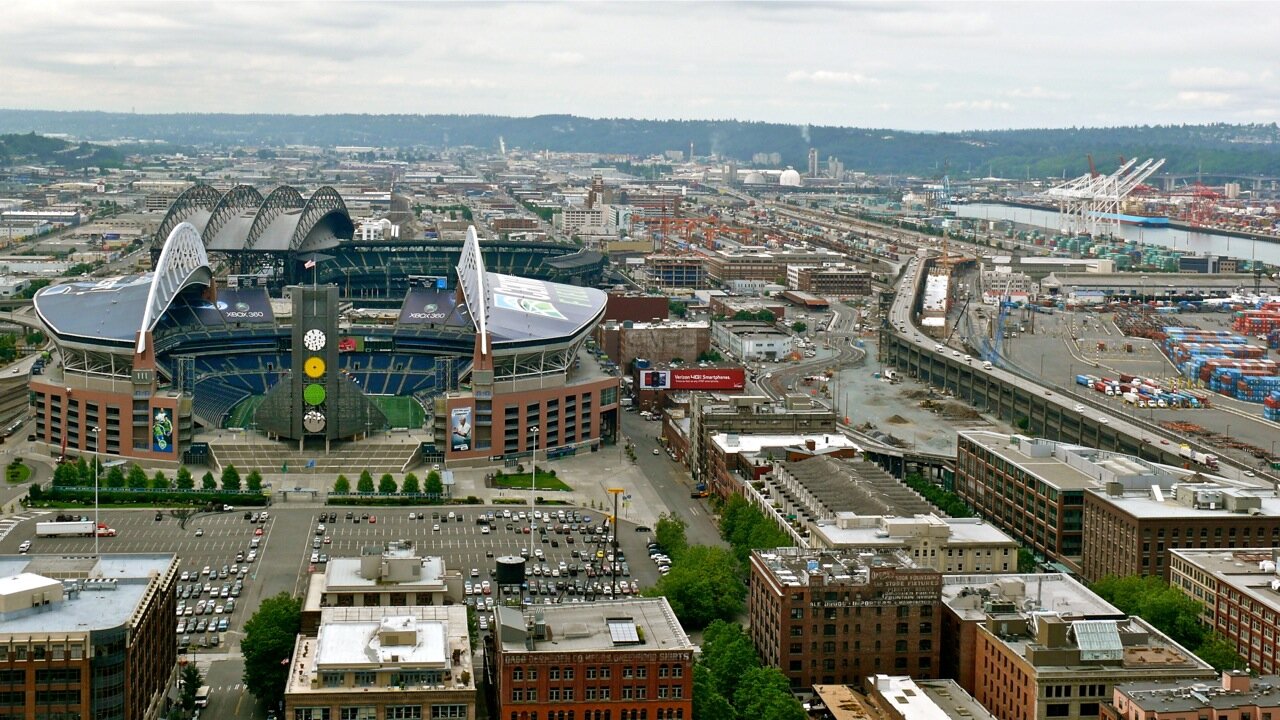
column 1196, row 243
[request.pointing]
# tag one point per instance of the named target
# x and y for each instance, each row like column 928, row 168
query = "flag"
column 309, row 264
column 311, row 463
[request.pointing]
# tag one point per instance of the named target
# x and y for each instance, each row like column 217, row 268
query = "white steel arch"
column 471, row 278
column 182, row 263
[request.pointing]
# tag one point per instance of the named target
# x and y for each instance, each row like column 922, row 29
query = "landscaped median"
column 547, row 480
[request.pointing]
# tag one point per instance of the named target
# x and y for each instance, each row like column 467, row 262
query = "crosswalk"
column 7, row 524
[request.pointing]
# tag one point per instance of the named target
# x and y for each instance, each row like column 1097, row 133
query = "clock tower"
column 315, row 360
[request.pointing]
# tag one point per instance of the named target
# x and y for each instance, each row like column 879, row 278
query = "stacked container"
column 1271, row 406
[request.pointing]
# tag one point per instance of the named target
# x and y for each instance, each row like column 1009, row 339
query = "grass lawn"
column 17, row 473
column 521, row 481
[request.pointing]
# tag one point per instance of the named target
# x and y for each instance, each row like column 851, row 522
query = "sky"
column 910, row 66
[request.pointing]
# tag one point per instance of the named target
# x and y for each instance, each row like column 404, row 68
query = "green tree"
column 230, row 479
column 702, row 587
column 268, row 645
column 1220, row 653
column 137, row 478
column 342, row 485
column 365, row 484
column 184, row 480
column 387, row 484
column 1150, row 598
column 191, row 682
column 710, row 356
column 434, row 487
column 745, row 528
column 1026, row 560
column 65, row 475
column 410, row 485
column 799, row 326
column 764, row 692
column 253, row 481
column 678, row 308
column 115, row 477
column 728, row 653
column 707, row 700
column 670, row 533
column 159, row 481
column 207, row 482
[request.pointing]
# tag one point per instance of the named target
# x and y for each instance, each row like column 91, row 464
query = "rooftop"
column 926, row 699
column 847, row 487
column 646, row 624
column 1249, row 571
column 97, row 593
column 850, row 529
column 732, row 443
column 797, row 567
column 1175, row 696
column 968, row 595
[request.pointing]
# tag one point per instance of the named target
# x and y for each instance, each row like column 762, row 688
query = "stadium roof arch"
column 122, row 310
column 242, row 220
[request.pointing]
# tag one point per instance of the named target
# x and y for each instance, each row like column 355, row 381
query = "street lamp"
column 533, row 478
column 97, row 457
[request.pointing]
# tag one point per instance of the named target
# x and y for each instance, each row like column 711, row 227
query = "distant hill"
column 32, row 149
column 1211, row 149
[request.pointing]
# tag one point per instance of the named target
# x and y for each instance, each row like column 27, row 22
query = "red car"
column 257, row 531
column 372, row 519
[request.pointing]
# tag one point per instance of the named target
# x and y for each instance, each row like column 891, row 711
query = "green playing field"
column 401, row 412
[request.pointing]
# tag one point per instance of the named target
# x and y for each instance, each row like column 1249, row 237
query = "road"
column 671, row 481
column 839, row 336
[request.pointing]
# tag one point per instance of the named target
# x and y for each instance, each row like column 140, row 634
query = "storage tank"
column 510, row 570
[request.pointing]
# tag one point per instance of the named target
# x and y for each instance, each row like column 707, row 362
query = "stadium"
column 292, row 368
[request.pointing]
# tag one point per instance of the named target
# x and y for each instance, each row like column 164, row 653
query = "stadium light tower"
column 97, row 459
column 533, row 479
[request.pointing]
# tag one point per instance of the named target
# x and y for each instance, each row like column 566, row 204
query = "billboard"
column 524, row 309
column 460, row 429
column 694, row 378
column 162, row 430
column 432, row 306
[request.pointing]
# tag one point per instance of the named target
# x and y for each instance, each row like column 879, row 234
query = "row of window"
column 603, row 672
column 446, row 711
column 624, row 714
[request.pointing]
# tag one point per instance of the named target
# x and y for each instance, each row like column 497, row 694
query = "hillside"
column 32, row 149
column 1233, row 149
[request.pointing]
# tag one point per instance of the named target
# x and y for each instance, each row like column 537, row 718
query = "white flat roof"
column 756, row 443
column 356, row 643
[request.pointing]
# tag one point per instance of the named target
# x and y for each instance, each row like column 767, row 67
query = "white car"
column 315, row 557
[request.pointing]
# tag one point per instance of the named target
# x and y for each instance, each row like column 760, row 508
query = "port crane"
column 1090, row 203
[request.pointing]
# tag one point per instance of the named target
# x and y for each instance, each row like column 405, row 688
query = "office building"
column 384, row 662
column 1237, row 695
column 717, row 413
column 825, row 617
column 614, row 660
column 88, row 637
column 950, row 545
column 832, row 281
column 735, row 460
column 677, row 271
column 751, row 341
column 658, row 342
column 1240, row 592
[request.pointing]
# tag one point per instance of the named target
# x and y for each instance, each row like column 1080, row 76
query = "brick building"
column 715, row 413
column 733, row 460
column 607, row 660
column 836, row 617
column 636, row 307
column 1240, row 591
column 729, row 307
column 660, row 342
column 1102, row 513
column 834, row 281
column 383, row 662
column 391, row 575
column 88, row 637
column 1236, row 697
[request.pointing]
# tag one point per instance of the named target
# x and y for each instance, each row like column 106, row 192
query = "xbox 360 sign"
column 315, row 359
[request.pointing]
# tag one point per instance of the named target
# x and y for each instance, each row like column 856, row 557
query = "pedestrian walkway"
column 8, row 523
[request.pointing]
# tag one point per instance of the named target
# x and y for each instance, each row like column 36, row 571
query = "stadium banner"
column 521, row 308
column 460, row 429
column 429, row 306
column 245, row 305
column 694, row 379
column 208, row 314
column 162, row 430
column 351, row 344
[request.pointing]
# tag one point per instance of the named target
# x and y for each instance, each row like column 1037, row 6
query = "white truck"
column 1206, row 459
column 78, row 528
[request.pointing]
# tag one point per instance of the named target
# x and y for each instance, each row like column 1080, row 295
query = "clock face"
column 314, row 340
column 313, row 367
column 313, row 421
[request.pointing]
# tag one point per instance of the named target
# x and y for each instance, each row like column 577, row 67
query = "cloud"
column 566, row 59
column 829, row 77
column 1200, row 99
column 1210, row 78
column 1035, row 92
column 983, row 105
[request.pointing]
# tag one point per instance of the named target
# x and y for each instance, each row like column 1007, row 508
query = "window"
column 1058, row 710
column 604, row 673
column 404, row 712
column 517, row 673
column 568, row 673
column 677, row 671
column 517, row 694
column 626, row 672
column 365, row 679
column 677, row 691
column 319, row 713
column 591, row 673
column 331, row 679
column 642, row 672
column 358, row 713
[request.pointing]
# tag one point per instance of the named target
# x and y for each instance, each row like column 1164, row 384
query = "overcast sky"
column 917, row 66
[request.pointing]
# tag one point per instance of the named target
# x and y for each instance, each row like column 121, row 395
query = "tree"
column 65, row 475
column 191, row 682
column 1026, row 560
column 137, row 478
column 745, row 528
column 365, row 484
column 267, row 646
column 207, row 482
column 799, row 326
column 410, row 485
column 1150, row 598
column 702, row 587
column 253, row 481
column 230, row 479
column 678, row 308
column 710, row 356
column 670, row 532
column 184, row 480
column 159, row 481
column 728, row 653
column 387, row 484
column 707, row 700
column 434, row 487
column 764, row 692
column 342, row 485
column 1220, row 653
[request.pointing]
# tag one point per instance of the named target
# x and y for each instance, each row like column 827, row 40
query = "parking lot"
column 285, row 548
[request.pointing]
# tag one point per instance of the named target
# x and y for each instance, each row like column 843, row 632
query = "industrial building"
column 383, row 662
column 716, row 413
column 88, row 637
column 677, row 271
column 1236, row 695
column 895, row 697
column 1101, row 287
column 831, row 281
column 606, row 659
column 390, row 575
column 658, row 342
column 751, row 341
column 949, row 545
column 1240, row 592
column 734, row 459
column 825, row 617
